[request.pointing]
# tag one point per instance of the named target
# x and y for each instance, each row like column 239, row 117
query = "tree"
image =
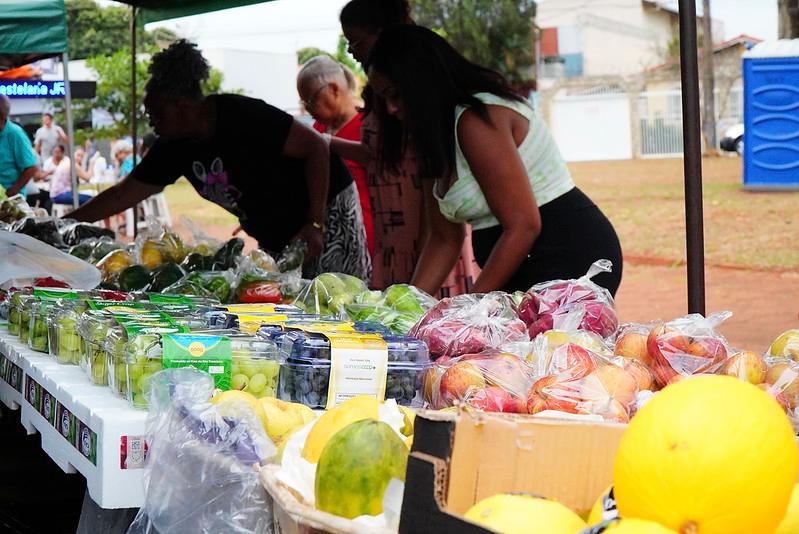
column 113, row 93
column 788, row 19
column 494, row 33
column 95, row 30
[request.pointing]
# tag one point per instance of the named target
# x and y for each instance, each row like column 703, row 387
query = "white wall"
column 270, row 76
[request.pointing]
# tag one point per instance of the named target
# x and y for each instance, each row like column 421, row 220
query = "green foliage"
column 95, row 30
column 494, row 33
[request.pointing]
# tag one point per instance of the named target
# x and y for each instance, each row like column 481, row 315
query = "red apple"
column 599, row 318
column 783, row 376
column 459, row 380
column 535, row 403
column 707, row 347
column 632, row 345
column 558, row 394
column 509, row 372
column 432, row 380
column 748, row 366
column 571, row 360
column 493, row 399
column 543, row 324
column 610, row 409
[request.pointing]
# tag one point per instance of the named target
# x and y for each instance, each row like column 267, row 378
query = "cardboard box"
column 458, row 459
column 292, row 516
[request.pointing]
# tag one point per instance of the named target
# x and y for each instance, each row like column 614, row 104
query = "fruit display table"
column 84, row 428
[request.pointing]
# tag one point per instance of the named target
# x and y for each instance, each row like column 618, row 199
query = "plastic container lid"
column 314, row 348
column 779, row 48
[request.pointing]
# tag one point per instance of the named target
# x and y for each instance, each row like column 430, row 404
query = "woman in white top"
column 495, row 166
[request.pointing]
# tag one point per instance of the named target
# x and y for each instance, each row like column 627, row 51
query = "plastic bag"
column 399, row 307
column 687, row 346
column 14, row 208
column 782, row 382
column 545, row 344
column 329, row 293
column 200, row 473
column 571, row 305
column 293, row 256
column 158, row 245
column 102, row 247
column 26, row 258
column 44, row 229
column 201, row 243
column 786, row 345
column 75, row 232
column 579, row 381
column 217, row 284
column 492, row 381
column 259, row 285
column 469, row 324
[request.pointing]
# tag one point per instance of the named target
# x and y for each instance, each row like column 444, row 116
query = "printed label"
column 120, row 304
column 132, row 452
column 86, row 442
column 33, row 393
column 14, row 376
column 211, row 354
column 48, row 407
column 50, row 293
column 65, row 423
column 358, row 366
column 158, row 298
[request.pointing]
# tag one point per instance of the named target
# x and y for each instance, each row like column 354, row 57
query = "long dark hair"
column 431, row 79
column 374, row 15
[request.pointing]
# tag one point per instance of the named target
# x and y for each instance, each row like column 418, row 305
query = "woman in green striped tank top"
column 491, row 163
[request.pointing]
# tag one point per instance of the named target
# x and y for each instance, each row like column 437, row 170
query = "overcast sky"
column 287, row 25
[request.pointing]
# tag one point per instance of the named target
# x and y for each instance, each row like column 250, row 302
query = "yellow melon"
column 708, row 455
column 524, row 514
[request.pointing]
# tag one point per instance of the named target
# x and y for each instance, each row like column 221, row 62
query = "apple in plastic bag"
column 572, row 361
column 748, row 366
column 633, row 345
column 493, row 399
column 459, row 380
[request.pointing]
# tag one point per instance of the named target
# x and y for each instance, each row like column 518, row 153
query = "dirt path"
column 763, row 303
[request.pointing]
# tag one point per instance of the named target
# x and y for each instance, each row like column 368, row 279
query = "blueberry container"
column 305, row 373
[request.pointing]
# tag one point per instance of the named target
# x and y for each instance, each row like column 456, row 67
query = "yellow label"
column 196, row 349
column 358, row 366
column 251, row 323
column 252, row 308
column 325, row 328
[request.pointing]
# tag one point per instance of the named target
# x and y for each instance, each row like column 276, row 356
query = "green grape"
column 248, row 367
column 138, row 385
column 139, row 401
column 257, row 383
column 269, row 391
column 270, row 368
column 239, row 381
column 120, row 374
column 152, row 367
column 135, row 371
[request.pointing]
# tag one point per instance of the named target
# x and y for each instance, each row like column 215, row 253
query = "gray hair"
column 5, row 105
column 121, row 146
column 324, row 69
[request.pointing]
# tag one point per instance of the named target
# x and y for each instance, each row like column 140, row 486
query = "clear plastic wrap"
column 570, row 305
column 62, row 331
column 782, row 383
column 74, row 232
column 631, row 342
column 470, row 324
column 14, row 208
column 786, row 345
column 329, row 293
column 687, row 346
column 26, row 258
column 201, row 473
column 158, row 245
column 44, row 229
column 259, row 281
column 492, row 381
column 399, row 307
column 579, row 381
column 216, row 284
column 545, row 344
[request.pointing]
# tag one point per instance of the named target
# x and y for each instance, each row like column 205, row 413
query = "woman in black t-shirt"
column 272, row 172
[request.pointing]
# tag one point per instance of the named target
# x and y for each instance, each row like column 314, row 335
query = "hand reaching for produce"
column 313, row 235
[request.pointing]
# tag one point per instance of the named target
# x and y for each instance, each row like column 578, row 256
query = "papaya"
column 356, row 466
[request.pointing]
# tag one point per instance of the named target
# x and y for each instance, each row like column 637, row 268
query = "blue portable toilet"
column 771, row 116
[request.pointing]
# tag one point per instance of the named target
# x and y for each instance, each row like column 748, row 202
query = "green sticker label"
column 86, row 442
column 54, row 293
column 169, row 299
column 65, row 423
column 211, row 354
column 103, row 304
column 166, row 327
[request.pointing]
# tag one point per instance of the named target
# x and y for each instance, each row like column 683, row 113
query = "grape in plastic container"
column 492, row 381
column 570, row 305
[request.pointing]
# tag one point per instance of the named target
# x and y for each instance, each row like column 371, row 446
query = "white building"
column 603, row 37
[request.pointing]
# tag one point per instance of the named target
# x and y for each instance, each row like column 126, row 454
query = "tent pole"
column 692, row 150
column 73, row 173
column 133, row 107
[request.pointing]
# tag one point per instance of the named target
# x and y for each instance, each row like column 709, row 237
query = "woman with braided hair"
column 272, row 172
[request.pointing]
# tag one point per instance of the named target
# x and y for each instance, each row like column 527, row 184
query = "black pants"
column 574, row 234
column 41, row 200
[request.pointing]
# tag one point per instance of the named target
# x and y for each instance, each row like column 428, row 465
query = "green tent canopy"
column 31, row 30
column 155, row 10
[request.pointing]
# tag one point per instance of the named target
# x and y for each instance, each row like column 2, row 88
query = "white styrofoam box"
column 84, row 427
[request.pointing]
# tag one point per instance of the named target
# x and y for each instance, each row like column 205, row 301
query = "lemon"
column 524, row 514
column 227, row 399
column 790, row 523
column 707, row 455
column 333, row 420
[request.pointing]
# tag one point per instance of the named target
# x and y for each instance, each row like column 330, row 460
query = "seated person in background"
column 61, row 182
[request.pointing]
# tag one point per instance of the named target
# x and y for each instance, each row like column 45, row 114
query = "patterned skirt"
column 345, row 249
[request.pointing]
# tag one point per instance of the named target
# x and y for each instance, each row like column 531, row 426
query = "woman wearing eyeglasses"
column 327, row 89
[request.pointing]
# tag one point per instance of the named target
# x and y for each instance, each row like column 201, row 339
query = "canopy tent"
column 155, row 10
column 31, row 30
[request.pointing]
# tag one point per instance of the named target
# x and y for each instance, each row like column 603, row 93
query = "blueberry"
column 313, row 398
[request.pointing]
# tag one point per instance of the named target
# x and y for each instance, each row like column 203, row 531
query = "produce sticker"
column 211, row 354
column 358, row 366
column 132, row 452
